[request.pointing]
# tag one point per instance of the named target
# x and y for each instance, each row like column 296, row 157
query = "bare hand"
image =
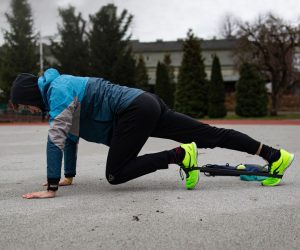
column 64, row 182
column 40, row 195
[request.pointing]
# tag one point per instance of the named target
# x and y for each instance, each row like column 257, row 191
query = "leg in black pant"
column 149, row 116
column 133, row 127
column 184, row 129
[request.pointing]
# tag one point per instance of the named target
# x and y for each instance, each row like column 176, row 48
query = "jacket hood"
column 44, row 82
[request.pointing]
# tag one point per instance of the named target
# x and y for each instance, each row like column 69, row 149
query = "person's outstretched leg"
column 184, row 129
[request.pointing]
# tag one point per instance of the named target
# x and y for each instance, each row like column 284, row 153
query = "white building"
column 153, row 52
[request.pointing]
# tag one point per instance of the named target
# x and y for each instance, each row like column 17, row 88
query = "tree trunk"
column 275, row 104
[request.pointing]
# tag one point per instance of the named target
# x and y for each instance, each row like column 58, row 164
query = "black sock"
column 270, row 154
column 176, row 155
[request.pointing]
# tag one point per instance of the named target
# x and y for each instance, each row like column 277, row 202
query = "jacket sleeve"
column 70, row 157
column 62, row 109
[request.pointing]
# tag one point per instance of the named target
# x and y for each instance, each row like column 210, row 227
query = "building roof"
column 163, row 46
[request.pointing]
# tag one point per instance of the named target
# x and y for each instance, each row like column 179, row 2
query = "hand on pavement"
column 64, row 182
column 40, row 195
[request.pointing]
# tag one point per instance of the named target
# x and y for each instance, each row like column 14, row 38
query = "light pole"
column 41, row 53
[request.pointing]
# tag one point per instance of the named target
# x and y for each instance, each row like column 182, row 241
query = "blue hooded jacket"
column 78, row 107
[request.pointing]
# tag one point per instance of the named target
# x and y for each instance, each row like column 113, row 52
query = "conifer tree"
column 19, row 52
column 111, row 55
column 168, row 63
column 3, row 98
column 216, row 96
column 191, row 89
column 141, row 76
column 251, row 93
column 72, row 49
column 162, row 85
column 170, row 68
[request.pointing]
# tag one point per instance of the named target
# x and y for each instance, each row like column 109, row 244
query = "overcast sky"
column 161, row 19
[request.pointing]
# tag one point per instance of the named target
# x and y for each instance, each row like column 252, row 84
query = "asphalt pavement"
column 151, row 212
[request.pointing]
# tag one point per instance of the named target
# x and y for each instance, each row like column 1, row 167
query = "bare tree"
column 229, row 26
column 270, row 43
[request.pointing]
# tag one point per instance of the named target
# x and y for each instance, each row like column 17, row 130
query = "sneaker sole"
column 196, row 150
column 289, row 164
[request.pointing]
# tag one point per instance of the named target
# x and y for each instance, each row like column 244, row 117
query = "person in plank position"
column 123, row 119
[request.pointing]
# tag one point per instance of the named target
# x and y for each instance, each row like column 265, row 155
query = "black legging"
column 148, row 116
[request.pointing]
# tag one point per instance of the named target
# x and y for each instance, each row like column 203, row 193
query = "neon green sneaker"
column 278, row 168
column 190, row 161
